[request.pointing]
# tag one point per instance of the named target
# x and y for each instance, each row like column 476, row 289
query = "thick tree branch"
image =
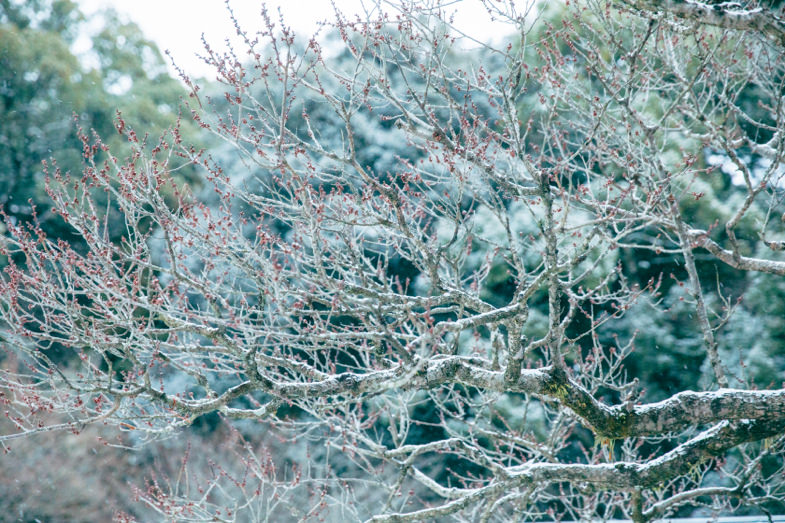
column 619, row 476
column 734, row 259
column 684, row 410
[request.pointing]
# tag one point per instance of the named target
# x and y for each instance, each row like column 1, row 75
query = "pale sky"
column 177, row 25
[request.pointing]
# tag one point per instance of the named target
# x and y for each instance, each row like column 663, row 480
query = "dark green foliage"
column 46, row 90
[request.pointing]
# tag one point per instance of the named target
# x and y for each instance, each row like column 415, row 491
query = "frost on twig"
column 430, row 259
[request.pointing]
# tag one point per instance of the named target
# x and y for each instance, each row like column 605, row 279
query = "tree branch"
column 757, row 20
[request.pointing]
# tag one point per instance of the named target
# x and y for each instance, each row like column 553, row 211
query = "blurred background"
column 65, row 64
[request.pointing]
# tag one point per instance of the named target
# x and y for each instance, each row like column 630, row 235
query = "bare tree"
column 360, row 308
